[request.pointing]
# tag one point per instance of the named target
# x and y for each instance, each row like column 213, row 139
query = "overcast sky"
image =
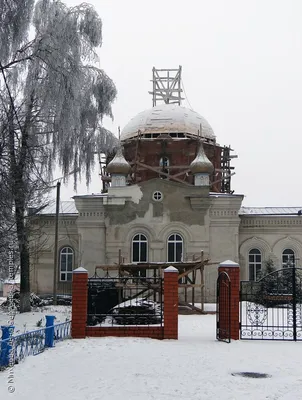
column 242, row 71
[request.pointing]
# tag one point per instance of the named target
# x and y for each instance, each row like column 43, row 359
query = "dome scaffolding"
column 166, row 86
column 171, row 132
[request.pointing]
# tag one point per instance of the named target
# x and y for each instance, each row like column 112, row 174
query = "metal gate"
column 271, row 308
column 223, row 308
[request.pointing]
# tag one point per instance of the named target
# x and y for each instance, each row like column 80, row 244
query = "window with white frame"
column 139, row 248
column 66, row 264
column 175, row 248
column 140, row 252
column 255, row 264
column 288, row 258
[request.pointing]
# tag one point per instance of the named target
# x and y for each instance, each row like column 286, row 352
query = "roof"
column 270, row 211
column 216, row 194
column 119, row 165
column 66, row 207
column 168, row 118
column 16, row 280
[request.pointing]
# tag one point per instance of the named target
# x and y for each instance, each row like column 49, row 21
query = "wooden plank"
column 190, row 270
column 167, row 90
column 187, row 264
column 183, row 303
column 173, row 177
column 138, row 285
column 159, row 168
column 164, row 70
column 227, row 175
column 188, row 285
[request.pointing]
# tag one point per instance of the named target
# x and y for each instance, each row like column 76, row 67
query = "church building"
column 166, row 199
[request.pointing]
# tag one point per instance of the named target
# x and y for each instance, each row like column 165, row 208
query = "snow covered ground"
column 28, row 321
column 196, row 367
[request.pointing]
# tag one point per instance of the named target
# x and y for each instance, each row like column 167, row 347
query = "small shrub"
column 39, row 323
column 35, row 301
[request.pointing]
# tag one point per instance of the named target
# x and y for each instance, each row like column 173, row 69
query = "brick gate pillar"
column 171, row 303
column 79, row 303
column 233, row 270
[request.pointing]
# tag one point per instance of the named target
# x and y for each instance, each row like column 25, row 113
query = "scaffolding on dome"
column 142, row 151
column 166, row 86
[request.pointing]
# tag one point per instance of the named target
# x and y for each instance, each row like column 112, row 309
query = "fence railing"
column 124, row 301
column 15, row 348
column 62, row 331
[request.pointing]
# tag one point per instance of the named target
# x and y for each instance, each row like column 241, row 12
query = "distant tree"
column 275, row 286
column 268, row 268
column 52, row 102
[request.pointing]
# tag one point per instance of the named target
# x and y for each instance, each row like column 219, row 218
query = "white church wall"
column 271, row 235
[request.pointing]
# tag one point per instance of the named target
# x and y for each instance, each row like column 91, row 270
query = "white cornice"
column 270, row 222
column 223, row 213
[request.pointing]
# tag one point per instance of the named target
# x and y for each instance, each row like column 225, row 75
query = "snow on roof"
column 168, row 118
column 13, row 281
column 66, row 207
column 229, row 263
column 270, row 210
column 216, row 194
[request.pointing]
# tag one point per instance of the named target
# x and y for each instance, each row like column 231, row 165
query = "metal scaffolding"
column 166, row 86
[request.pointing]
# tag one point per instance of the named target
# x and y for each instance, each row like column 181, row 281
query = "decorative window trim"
column 287, row 242
column 288, row 258
column 255, row 242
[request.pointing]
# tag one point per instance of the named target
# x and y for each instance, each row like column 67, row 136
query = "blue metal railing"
column 14, row 349
column 62, row 331
column 27, row 344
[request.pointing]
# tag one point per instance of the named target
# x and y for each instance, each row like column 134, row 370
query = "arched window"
column 164, row 163
column 288, row 258
column 175, row 248
column 139, row 248
column 255, row 264
column 66, row 264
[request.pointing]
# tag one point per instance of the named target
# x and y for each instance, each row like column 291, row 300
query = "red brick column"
column 79, row 303
column 233, row 271
column 171, row 303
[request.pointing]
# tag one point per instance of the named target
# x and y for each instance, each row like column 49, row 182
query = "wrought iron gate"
column 223, row 308
column 271, row 308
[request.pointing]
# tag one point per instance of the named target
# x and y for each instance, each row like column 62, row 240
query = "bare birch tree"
column 53, row 98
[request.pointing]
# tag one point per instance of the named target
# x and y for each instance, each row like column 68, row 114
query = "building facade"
column 91, row 233
column 165, row 198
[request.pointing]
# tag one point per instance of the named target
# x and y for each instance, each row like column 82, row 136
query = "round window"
column 157, row 196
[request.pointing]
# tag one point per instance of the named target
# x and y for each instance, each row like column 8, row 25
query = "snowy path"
column 194, row 367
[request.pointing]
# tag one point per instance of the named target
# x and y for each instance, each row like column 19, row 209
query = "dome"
column 201, row 164
column 119, row 165
column 170, row 119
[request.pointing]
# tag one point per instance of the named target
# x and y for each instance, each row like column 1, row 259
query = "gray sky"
column 242, row 71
